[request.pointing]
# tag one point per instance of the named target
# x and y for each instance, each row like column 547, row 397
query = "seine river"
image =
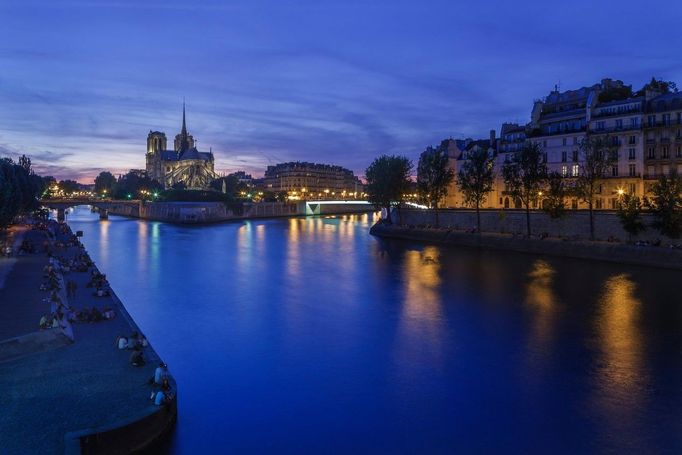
column 309, row 335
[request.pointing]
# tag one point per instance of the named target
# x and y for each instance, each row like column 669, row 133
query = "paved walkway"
column 87, row 384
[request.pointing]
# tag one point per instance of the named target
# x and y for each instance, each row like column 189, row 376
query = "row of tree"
column 20, row 188
column 528, row 181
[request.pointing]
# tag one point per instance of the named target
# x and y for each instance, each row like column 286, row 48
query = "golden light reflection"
column 541, row 298
column 621, row 374
column 421, row 329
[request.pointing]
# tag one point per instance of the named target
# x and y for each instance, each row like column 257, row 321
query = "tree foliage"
column 554, row 199
column 475, row 180
column 666, row 205
column 598, row 155
column 20, row 188
column 388, row 179
column 658, row 85
column 525, row 176
column 434, row 175
column 129, row 185
column 630, row 214
column 105, row 183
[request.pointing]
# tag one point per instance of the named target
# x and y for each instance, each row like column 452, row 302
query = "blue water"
column 308, row 335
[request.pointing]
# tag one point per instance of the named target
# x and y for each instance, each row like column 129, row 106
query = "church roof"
column 190, row 154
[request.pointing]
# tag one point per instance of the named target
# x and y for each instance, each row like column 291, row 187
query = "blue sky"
column 82, row 82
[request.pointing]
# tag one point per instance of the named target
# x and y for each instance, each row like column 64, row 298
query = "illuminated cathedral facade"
column 184, row 164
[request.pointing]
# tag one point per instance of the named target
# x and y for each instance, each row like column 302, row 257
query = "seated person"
column 161, row 373
column 136, row 358
column 121, row 342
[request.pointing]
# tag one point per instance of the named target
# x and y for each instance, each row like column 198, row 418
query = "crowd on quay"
column 162, row 390
column 63, row 290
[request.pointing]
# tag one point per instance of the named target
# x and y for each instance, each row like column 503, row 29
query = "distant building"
column 312, row 180
column 645, row 126
column 184, row 164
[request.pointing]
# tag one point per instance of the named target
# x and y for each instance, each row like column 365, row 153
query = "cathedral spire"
column 184, row 126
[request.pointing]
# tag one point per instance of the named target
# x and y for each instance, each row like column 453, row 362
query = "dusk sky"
column 82, row 83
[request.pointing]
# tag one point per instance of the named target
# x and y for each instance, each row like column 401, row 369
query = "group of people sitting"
column 100, row 283
column 162, row 390
column 95, row 315
column 135, row 342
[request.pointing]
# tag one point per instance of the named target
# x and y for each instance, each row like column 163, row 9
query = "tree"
column 105, row 182
column 10, row 199
column 434, row 176
column 659, row 85
column 525, row 175
column 555, row 197
column 388, row 179
column 630, row 214
column 475, row 180
column 129, row 185
column 69, row 186
column 598, row 155
column 666, row 205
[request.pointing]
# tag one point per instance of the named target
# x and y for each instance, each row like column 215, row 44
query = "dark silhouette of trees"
column 104, row 183
column 475, row 180
column 630, row 215
column 666, row 205
column 388, row 179
column 598, row 154
column 434, row 176
column 525, row 175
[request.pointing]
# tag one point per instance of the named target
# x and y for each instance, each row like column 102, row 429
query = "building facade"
column 184, row 164
column 303, row 180
column 645, row 127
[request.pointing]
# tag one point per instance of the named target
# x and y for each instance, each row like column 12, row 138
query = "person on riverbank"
column 161, row 373
column 137, row 358
column 122, row 342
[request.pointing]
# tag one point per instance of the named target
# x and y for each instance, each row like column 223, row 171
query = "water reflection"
column 420, row 331
column 541, row 299
column 621, row 376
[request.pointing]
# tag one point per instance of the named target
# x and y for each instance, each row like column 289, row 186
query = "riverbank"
column 77, row 393
column 216, row 212
column 582, row 249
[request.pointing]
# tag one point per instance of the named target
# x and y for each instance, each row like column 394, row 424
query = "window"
column 600, row 126
column 651, row 155
column 615, row 141
column 631, row 154
column 575, row 156
column 564, row 156
column 544, row 144
column 632, row 188
column 614, row 171
column 575, row 170
column 665, row 169
column 564, row 171
column 666, row 119
column 665, row 153
column 678, row 152
column 650, row 171
column 574, row 204
column 651, row 120
column 599, row 189
column 613, row 203
column 632, row 140
column 619, row 124
column 632, row 170
column 598, row 203
column 564, row 141
column 575, row 140
column 634, row 122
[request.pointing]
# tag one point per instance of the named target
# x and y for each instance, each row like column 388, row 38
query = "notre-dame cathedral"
column 184, row 164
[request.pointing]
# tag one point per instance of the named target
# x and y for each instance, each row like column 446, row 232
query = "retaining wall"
column 574, row 224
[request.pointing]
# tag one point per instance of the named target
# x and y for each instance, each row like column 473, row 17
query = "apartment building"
column 662, row 136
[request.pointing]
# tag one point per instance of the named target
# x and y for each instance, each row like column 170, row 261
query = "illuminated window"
column 575, row 169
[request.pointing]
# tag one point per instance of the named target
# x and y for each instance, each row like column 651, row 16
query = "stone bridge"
column 103, row 205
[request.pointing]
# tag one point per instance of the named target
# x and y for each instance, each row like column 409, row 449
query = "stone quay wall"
column 213, row 212
column 568, row 239
column 573, row 225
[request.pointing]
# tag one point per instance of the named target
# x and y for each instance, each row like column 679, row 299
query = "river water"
column 309, row 335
